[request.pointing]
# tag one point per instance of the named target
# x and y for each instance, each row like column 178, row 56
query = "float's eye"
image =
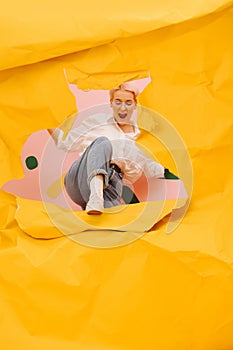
column 31, row 162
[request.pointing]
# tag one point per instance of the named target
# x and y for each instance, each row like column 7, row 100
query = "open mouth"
column 122, row 115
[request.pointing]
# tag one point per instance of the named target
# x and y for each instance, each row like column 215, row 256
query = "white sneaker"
column 95, row 205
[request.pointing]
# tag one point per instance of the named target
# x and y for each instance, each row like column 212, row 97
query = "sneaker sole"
column 94, row 212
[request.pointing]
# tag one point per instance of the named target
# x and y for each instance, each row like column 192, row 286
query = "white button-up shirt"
column 132, row 161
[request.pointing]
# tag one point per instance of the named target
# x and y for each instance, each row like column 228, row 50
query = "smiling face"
column 123, row 105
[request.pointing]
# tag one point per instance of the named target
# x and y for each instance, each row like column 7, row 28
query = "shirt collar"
column 132, row 135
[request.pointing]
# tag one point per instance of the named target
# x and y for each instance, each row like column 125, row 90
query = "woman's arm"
column 64, row 128
column 71, row 142
column 78, row 138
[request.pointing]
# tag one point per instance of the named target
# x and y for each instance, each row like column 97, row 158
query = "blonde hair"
column 127, row 87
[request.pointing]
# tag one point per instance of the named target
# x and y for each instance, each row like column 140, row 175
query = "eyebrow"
column 128, row 100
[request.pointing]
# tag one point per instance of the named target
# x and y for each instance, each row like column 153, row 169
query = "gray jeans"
column 94, row 161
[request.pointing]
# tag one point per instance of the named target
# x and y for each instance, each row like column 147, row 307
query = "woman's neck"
column 126, row 128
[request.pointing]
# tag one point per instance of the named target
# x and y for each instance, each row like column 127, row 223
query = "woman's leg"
column 113, row 192
column 94, row 161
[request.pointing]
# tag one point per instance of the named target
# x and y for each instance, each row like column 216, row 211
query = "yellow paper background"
column 162, row 291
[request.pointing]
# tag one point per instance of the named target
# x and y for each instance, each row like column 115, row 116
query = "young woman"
column 109, row 154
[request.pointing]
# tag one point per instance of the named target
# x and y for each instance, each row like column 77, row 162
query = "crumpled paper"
column 161, row 291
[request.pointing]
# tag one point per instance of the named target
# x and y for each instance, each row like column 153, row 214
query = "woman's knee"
column 102, row 139
column 102, row 142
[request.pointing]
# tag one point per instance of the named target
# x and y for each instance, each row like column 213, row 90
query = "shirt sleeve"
column 153, row 168
column 73, row 141
column 148, row 166
column 82, row 136
column 134, row 162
